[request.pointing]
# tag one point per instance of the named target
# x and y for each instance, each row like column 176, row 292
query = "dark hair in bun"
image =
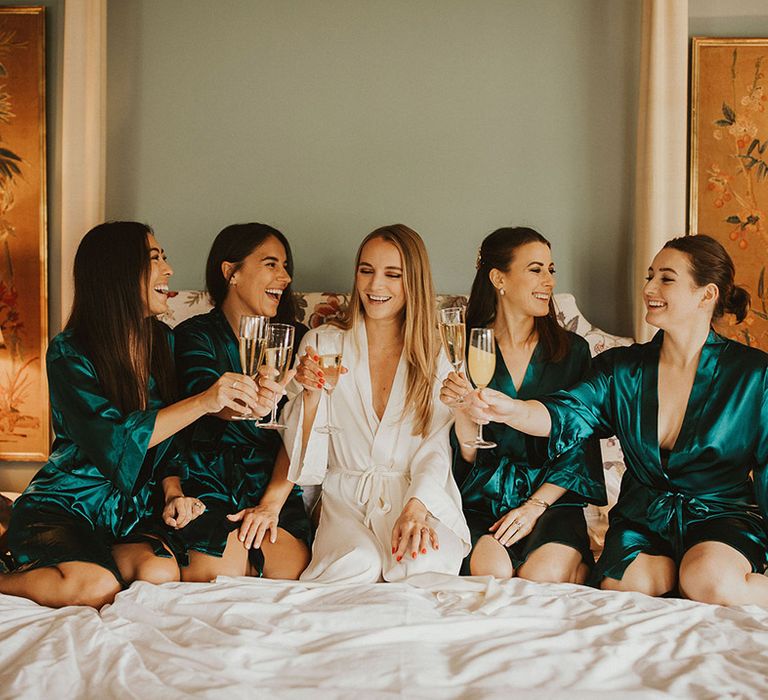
column 711, row 264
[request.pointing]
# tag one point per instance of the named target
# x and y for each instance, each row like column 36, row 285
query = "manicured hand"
column 516, row 524
column 182, row 510
column 411, row 533
column 270, row 391
column 255, row 523
column 456, row 387
column 237, row 392
column 490, row 406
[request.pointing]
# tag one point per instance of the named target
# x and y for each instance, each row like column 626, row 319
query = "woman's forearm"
column 171, row 419
column 530, row 417
column 279, row 488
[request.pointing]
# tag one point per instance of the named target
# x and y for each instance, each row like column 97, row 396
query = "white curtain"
column 83, row 131
column 660, row 176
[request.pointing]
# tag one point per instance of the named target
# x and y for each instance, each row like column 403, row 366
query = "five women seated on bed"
column 154, row 475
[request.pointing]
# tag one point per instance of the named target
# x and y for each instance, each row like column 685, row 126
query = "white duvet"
column 435, row 637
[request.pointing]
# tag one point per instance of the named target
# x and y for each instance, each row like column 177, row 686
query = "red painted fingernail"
column 399, row 558
column 316, row 358
column 319, row 385
column 424, row 550
column 413, row 554
column 393, row 550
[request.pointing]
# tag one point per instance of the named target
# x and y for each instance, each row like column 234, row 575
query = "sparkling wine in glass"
column 276, row 357
column 251, row 338
column 453, row 333
column 482, row 364
column 329, row 343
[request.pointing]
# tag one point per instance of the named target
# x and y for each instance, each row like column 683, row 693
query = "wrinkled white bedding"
column 437, row 637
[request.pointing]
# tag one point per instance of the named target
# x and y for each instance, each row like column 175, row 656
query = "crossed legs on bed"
column 86, row 583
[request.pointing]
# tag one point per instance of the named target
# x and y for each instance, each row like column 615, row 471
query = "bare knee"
column 554, row 563
column 704, row 581
column 651, row 575
column 489, row 558
column 95, row 588
column 154, row 569
column 285, row 562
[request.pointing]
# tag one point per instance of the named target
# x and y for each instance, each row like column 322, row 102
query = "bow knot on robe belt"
column 666, row 511
column 371, row 492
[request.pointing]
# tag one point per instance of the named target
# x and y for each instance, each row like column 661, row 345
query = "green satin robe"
column 502, row 478
column 101, row 474
column 704, row 490
column 230, row 461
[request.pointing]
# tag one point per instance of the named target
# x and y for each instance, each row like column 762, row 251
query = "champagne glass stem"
column 480, row 433
column 273, row 419
column 329, row 420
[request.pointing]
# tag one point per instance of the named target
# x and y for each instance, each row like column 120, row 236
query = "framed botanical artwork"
column 729, row 166
column 24, row 412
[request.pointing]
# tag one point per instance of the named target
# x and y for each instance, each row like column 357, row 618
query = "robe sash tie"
column 372, row 492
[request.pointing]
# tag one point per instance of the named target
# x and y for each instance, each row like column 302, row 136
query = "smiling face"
column 379, row 280
column 156, row 291
column 529, row 281
column 671, row 296
column 258, row 282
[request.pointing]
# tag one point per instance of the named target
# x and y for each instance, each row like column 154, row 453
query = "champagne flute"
column 482, row 364
column 251, row 337
column 453, row 334
column 276, row 356
column 329, row 343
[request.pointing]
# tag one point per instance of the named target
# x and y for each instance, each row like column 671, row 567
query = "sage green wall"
column 328, row 119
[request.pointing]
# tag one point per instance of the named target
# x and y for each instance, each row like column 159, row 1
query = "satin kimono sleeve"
column 584, row 410
column 115, row 443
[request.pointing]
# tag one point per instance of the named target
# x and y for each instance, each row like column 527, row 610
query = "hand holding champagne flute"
column 482, row 365
column 276, row 356
column 330, row 348
column 453, row 335
column 251, row 337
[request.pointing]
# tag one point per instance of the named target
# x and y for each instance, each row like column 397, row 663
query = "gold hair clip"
column 478, row 259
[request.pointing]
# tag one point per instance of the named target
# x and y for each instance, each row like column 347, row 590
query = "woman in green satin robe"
column 84, row 527
column 255, row 523
column 524, row 512
column 691, row 411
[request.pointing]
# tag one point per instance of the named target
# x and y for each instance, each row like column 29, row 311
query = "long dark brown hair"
column 109, row 318
column 497, row 252
column 711, row 264
column 234, row 244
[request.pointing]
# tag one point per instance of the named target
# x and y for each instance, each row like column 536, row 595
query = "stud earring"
column 501, row 291
column 232, row 282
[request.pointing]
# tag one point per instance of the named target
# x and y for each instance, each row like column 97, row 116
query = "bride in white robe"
column 390, row 505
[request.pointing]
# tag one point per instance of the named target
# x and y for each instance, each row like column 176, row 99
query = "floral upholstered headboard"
column 316, row 308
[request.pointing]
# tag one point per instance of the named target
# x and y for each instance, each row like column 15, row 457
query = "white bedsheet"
column 437, row 637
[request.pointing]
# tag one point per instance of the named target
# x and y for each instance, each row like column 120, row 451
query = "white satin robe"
column 368, row 473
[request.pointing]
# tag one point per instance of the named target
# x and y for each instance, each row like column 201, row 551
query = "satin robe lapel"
column 229, row 341
column 361, row 374
column 534, row 375
column 503, row 378
column 649, row 402
column 706, row 376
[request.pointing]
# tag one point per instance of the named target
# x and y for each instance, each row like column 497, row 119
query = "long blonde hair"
column 421, row 344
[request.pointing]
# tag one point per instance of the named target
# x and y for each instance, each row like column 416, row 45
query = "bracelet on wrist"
column 538, row 502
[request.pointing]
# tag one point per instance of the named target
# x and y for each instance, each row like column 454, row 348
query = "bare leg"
column 649, row 574
column 68, row 583
column 554, row 563
column 714, row 572
column 138, row 562
column 490, row 558
column 206, row 567
column 286, row 558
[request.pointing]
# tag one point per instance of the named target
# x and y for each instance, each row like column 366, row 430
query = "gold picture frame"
column 24, row 408
column 729, row 166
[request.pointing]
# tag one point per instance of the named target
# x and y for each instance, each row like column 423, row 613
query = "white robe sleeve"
column 432, row 480
column 307, row 466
